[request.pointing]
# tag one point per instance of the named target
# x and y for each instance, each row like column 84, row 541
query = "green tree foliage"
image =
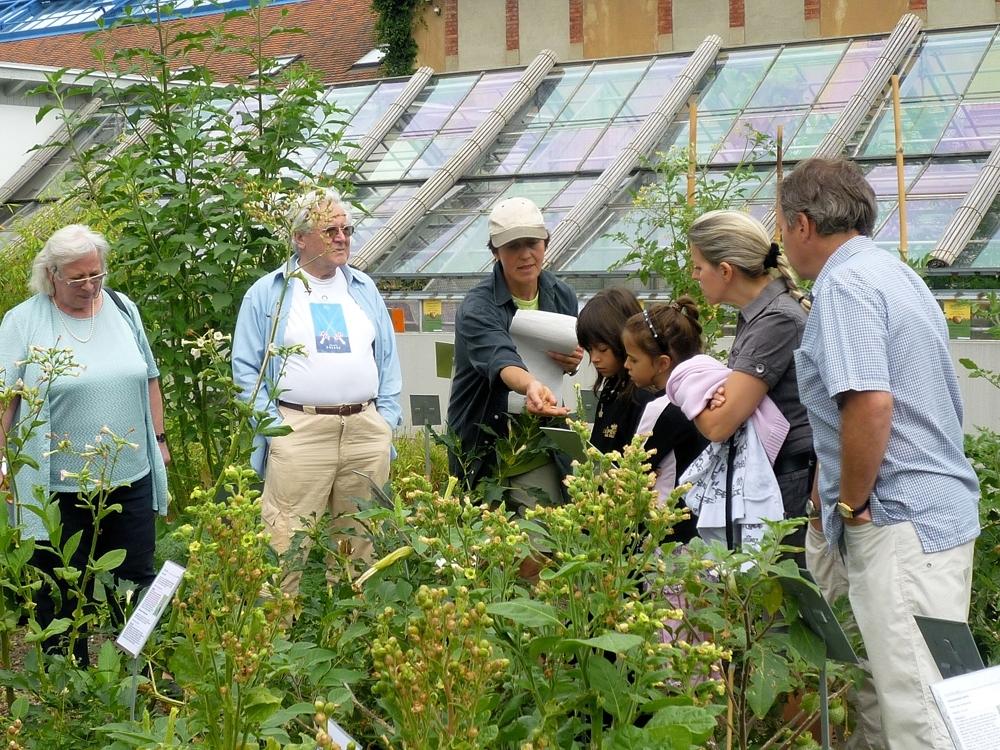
column 394, row 34
column 192, row 198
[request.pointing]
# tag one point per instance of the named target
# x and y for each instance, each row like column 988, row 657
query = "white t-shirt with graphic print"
column 339, row 365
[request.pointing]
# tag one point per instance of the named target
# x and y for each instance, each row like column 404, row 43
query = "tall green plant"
column 661, row 216
column 191, row 199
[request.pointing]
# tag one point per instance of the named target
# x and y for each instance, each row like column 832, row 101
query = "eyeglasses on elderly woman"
column 97, row 279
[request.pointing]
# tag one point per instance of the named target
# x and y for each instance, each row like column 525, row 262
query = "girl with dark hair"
column 655, row 341
column 619, row 403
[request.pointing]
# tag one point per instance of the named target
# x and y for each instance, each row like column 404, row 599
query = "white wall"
column 20, row 133
column 416, row 353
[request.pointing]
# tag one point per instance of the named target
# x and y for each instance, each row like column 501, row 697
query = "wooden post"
column 692, row 147
column 778, row 174
column 900, row 169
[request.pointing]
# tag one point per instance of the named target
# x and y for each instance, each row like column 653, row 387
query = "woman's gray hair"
column 833, row 193
column 66, row 245
column 303, row 209
column 740, row 240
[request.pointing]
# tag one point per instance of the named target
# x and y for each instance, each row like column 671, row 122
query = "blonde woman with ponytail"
column 735, row 262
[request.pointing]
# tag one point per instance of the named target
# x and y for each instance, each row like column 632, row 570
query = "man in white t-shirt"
column 341, row 398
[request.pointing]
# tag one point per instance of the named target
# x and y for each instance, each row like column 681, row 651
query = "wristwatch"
column 846, row 511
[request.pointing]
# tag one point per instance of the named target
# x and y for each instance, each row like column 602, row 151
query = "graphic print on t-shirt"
column 330, row 328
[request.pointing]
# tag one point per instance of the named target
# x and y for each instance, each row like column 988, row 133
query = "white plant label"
column 338, row 735
column 154, row 602
column 970, row 705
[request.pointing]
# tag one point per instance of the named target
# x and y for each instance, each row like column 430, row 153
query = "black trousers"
column 133, row 530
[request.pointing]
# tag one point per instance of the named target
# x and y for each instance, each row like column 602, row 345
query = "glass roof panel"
column 851, row 71
column 941, row 178
column 797, row 75
column 539, row 192
column 508, row 152
column 882, row 177
column 926, row 220
column 437, row 153
column 734, row 79
column 711, row 130
column 392, row 163
column 550, row 97
column 573, row 193
column 603, row 92
column 610, row 144
column 986, row 82
column 481, row 100
column 657, row 81
column 603, row 250
column 434, row 105
column 974, row 127
column 349, row 98
column 467, row 252
column 945, row 64
column 922, row 127
column 424, row 242
column 372, row 109
column 810, row 134
column 739, row 142
column 561, row 149
column 983, row 250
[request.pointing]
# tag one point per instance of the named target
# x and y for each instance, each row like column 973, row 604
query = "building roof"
column 577, row 119
column 337, row 33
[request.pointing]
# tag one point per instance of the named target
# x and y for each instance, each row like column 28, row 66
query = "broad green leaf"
column 279, row 718
column 770, row 679
column 577, row 566
column 610, row 685
column 695, row 719
column 526, row 612
column 110, row 560
column 617, row 643
column 259, row 703
column 773, row 596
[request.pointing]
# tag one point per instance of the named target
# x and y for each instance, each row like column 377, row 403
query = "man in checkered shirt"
column 898, row 497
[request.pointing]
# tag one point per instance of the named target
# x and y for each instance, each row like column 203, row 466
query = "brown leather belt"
column 340, row 410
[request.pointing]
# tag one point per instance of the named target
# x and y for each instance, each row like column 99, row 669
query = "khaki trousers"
column 311, row 471
column 891, row 579
column 827, row 567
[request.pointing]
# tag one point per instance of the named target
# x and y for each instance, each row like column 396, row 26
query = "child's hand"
column 718, row 398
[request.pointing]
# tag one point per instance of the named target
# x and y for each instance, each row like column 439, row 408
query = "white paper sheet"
column 536, row 332
column 139, row 626
column 970, row 706
column 338, row 735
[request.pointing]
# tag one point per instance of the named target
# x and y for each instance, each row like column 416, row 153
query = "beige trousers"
column 892, row 579
column 311, row 471
column 827, row 567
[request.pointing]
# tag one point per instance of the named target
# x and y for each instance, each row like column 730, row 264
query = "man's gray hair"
column 66, row 245
column 303, row 209
column 833, row 193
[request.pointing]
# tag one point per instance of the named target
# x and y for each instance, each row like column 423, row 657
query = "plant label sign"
column 970, row 706
column 140, row 625
column 338, row 735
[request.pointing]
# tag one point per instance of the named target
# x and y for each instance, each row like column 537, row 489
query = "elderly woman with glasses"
column 112, row 387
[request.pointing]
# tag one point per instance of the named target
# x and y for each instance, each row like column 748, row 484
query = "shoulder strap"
column 119, row 302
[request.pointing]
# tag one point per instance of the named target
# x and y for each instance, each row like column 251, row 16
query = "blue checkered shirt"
column 874, row 326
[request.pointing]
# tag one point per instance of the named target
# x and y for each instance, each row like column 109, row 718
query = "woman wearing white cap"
column 487, row 365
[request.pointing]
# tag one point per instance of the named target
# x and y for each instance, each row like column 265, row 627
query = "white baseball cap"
column 515, row 219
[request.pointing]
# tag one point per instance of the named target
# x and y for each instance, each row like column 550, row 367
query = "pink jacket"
column 692, row 384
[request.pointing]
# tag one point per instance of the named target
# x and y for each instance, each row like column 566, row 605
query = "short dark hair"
column 833, row 193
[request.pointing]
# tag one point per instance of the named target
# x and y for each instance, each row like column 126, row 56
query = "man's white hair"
column 303, row 209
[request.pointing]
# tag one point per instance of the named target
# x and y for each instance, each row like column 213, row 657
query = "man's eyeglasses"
column 334, row 231
column 96, row 280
